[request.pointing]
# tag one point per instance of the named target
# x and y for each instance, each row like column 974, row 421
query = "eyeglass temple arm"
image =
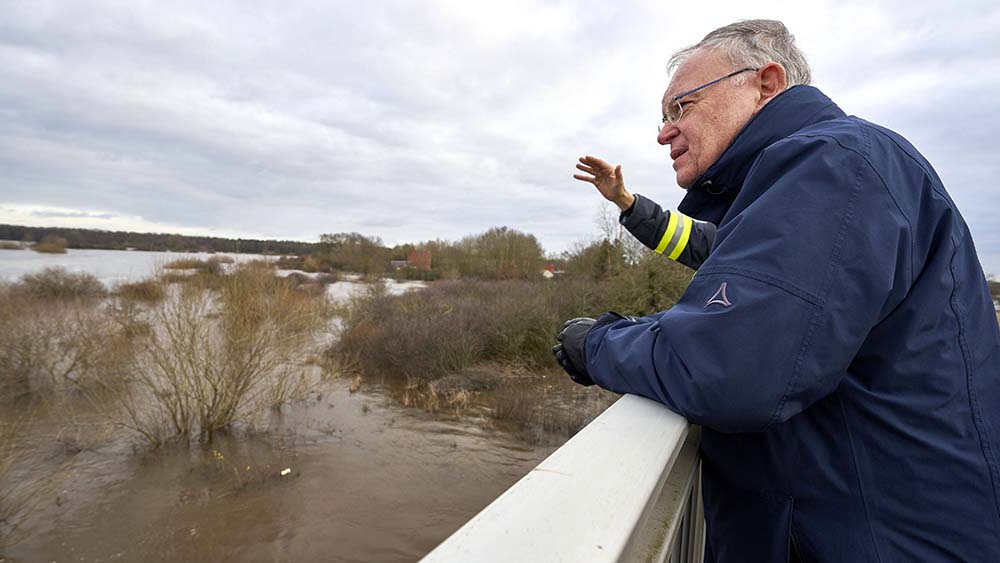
column 730, row 75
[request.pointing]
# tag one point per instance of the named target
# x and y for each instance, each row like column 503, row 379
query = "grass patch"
column 5, row 245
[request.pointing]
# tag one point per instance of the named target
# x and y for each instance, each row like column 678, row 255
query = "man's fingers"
column 574, row 321
column 584, row 178
column 618, row 173
column 595, row 162
column 586, row 169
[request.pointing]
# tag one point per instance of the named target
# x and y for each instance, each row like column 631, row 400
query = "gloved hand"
column 571, row 350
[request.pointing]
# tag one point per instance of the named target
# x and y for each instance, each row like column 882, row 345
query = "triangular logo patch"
column 720, row 297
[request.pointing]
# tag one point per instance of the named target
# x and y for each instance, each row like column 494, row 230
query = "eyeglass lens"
column 673, row 115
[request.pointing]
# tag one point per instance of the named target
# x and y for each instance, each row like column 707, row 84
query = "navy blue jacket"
column 838, row 346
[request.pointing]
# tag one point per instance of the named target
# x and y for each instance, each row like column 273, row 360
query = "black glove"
column 571, row 350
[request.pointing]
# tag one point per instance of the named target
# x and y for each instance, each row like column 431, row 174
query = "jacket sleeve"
column 775, row 316
column 669, row 233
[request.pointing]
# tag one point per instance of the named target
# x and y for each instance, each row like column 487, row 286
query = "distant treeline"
column 500, row 253
column 120, row 240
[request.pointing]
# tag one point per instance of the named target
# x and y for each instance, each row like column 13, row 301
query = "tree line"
column 122, row 240
column 497, row 254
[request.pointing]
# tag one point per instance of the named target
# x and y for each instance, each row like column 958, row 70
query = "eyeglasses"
column 675, row 108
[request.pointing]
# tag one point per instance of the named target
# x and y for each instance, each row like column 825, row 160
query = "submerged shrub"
column 149, row 291
column 211, row 266
column 455, row 324
column 51, row 244
column 58, row 283
column 216, row 356
column 452, row 325
column 191, row 364
column 48, row 346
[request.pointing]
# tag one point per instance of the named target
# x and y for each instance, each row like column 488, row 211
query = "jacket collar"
column 794, row 109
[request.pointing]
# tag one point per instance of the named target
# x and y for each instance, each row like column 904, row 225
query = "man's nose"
column 667, row 134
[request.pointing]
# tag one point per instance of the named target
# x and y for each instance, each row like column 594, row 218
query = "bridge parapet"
column 625, row 488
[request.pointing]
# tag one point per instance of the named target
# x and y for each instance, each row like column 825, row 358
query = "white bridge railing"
column 625, row 488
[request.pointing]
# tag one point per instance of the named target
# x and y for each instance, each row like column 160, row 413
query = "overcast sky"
column 416, row 120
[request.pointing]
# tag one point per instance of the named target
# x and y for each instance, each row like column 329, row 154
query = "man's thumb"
column 618, row 173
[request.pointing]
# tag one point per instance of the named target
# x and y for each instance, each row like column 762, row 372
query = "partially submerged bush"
column 315, row 284
column 51, row 245
column 202, row 358
column 149, row 291
column 327, row 278
column 47, row 346
column 455, row 324
column 210, row 266
column 452, row 325
column 218, row 356
column 58, row 283
column 7, row 245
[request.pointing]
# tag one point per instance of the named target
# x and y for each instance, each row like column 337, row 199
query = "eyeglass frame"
column 666, row 117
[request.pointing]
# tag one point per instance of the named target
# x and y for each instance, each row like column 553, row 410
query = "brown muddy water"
column 369, row 480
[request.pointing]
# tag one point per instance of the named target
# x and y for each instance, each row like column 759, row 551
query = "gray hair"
column 753, row 43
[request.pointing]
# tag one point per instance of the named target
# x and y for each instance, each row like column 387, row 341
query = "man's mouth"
column 676, row 153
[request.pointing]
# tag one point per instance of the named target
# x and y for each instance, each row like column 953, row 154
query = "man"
column 837, row 344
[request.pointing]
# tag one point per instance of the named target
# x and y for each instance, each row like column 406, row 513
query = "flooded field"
column 367, row 480
column 375, row 469
column 109, row 266
column 112, row 267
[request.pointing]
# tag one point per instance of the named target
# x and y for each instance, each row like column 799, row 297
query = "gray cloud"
column 433, row 119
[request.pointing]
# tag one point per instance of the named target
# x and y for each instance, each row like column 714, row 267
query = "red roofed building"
column 419, row 259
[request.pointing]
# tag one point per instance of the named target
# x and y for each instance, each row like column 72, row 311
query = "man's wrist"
column 625, row 201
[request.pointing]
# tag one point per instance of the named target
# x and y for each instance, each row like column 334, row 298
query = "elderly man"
column 837, row 344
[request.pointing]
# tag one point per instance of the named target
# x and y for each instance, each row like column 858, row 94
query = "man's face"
column 713, row 117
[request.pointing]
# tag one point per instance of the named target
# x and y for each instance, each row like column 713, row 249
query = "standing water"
column 365, row 480
column 349, row 474
column 109, row 266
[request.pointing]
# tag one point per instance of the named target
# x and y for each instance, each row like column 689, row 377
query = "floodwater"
column 367, row 480
column 341, row 476
column 109, row 266
column 112, row 267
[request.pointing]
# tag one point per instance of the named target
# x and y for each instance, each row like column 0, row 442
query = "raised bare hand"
column 606, row 179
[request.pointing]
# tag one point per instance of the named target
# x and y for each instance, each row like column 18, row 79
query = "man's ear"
column 773, row 81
